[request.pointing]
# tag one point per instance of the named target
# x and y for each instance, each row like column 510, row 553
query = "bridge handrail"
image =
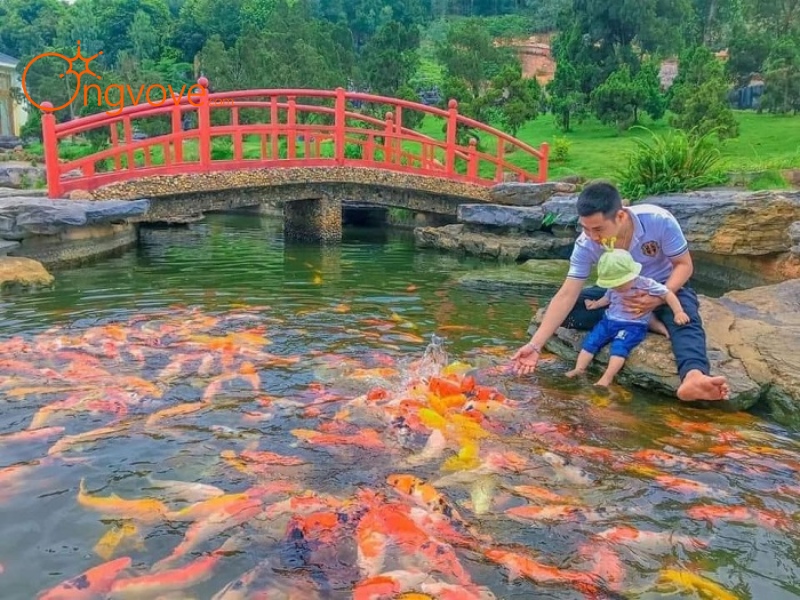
column 390, row 131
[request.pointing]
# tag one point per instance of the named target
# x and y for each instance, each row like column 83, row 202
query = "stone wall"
column 62, row 232
column 744, row 230
column 76, row 245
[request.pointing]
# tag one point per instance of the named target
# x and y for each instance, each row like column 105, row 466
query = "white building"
column 12, row 113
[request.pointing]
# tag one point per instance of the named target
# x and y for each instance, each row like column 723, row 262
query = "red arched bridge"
column 282, row 128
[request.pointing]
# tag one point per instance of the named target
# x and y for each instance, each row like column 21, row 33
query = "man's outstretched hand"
column 525, row 360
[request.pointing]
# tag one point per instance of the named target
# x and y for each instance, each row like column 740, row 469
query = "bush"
column 677, row 162
column 559, row 151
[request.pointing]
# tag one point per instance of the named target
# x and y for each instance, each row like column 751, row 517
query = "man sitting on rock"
column 654, row 238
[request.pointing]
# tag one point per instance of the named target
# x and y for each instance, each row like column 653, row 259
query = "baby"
column 619, row 273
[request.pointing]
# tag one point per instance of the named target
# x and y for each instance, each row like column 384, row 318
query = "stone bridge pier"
column 313, row 220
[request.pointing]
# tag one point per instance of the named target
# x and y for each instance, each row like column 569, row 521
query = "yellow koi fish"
column 145, row 510
column 692, row 582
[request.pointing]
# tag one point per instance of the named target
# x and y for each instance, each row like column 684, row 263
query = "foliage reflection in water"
column 323, row 441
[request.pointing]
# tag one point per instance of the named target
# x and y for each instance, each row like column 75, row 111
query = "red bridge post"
column 452, row 128
column 204, row 124
column 52, row 171
column 339, row 126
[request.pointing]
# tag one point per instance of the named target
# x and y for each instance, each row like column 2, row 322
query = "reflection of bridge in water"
column 309, row 148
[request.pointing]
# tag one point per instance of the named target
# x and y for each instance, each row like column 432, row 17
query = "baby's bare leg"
column 584, row 359
column 615, row 363
column 657, row 326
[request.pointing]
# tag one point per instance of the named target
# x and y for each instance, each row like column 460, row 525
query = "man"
column 654, row 238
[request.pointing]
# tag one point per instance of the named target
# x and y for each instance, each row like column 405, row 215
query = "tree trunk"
column 710, row 18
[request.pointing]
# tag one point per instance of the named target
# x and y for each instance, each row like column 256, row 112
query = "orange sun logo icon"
column 70, row 71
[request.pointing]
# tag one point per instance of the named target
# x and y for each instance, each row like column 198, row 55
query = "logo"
column 117, row 99
column 650, row 248
column 70, row 71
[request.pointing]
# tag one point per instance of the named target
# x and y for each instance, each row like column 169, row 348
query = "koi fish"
column 651, row 541
column 366, row 438
column 691, row 582
column 561, row 512
column 145, row 510
column 90, row 584
column 185, row 490
column 146, row 586
column 742, row 514
column 423, row 494
column 117, row 535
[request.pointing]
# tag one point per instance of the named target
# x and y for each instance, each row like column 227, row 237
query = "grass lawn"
column 766, row 143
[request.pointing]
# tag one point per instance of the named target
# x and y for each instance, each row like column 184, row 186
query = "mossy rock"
column 23, row 272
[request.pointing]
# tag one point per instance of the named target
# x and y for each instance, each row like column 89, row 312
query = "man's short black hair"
column 599, row 197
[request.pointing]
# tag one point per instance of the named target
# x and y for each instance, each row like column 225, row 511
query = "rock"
column 6, row 192
column 9, row 142
column 532, row 277
column 6, row 247
column 497, row 215
column 564, row 209
column 794, row 238
column 528, row 194
column 23, row 216
column 23, row 271
column 753, row 338
column 114, row 210
column 19, row 174
column 459, row 238
column 732, row 222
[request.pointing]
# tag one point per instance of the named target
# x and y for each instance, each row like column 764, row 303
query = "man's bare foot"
column 574, row 373
column 657, row 326
column 603, row 382
column 699, row 386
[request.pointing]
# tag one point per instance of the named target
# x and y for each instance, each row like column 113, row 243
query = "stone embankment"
column 59, row 232
column 737, row 230
column 753, row 338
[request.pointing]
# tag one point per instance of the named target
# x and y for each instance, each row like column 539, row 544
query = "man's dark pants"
column 688, row 341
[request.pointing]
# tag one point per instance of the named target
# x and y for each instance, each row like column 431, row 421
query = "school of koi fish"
column 382, row 480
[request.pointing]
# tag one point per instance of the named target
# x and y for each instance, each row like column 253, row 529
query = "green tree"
column 617, row 101
column 574, row 78
column 516, row 98
column 468, row 53
column 390, row 58
column 27, row 27
column 782, row 78
column 748, row 50
column 700, row 95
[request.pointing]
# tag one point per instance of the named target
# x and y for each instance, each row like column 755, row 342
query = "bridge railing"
column 252, row 129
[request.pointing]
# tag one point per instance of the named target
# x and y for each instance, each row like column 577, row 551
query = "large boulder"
column 533, row 277
column 753, row 338
column 529, row 194
column 463, row 239
column 528, row 218
column 730, row 222
column 18, row 270
column 22, row 216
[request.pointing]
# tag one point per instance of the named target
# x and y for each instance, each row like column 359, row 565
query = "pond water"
column 329, row 447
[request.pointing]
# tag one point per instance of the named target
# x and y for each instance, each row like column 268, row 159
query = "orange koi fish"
column 742, row 514
column 90, row 584
column 366, row 438
column 146, row 586
column 423, row 494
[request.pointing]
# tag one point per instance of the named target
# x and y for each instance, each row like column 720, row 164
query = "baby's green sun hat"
column 616, row 267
